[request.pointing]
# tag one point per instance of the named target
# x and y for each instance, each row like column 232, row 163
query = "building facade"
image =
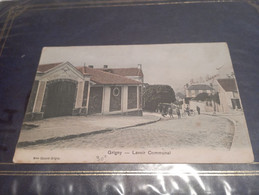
column 228, row 95
column 194, row 90
column 62, row 89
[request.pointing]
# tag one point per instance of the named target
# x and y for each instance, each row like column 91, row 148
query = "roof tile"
column 117, row 76
column 200, row 87
column 102, row 77
column 125, row 71
column 46, row 67
column 228, row 84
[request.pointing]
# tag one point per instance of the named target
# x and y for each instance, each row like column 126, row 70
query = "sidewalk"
column 241, row 136
column 60, row 128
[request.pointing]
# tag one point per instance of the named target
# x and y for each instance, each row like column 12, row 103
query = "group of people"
column 170, row 110
column 191, row 111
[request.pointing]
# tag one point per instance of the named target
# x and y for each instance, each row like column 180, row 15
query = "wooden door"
column 60, row 98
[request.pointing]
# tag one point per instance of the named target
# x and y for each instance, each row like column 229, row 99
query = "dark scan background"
column 233, row 22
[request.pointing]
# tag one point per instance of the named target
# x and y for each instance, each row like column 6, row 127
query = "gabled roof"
column 99, row 76
column 45, row 67
column 228, row 84
column 200, row 87
column 102, row 77
column 124, row 71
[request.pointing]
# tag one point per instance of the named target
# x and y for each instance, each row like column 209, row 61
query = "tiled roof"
column 200, row 87
column 101, row 77
column 228, row 84
column 125, row 71
column 45, row 67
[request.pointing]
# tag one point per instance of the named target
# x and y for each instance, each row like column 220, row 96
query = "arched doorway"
column 59, row 98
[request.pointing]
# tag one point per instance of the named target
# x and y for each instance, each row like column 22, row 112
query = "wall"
column 65, row 71
column 120, row 104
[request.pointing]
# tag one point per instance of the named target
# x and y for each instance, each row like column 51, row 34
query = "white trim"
column 34, row 103
column 117, row 94
column 88, row 95
column 138, row 97
column 79, row 94
column 47, row 74
column 103, row 100
column 106, row 99
column 44, row 83
column 124, row 98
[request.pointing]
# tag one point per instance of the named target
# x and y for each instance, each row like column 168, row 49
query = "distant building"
column 228, row 95
column 193, row 90
column 61, row 89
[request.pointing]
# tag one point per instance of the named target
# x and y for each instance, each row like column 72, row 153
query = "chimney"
column 140, row 66
column 84, row 68
column 105, row 66
column 90, row 66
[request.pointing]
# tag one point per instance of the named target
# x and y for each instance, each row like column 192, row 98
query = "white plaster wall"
column 106, row 99
column 222, row 100
column 124, row 98
column 88, row 95
column 229, row 96
column 225, row 100
column 39, row 97
column 79, row 95
column 138, row 103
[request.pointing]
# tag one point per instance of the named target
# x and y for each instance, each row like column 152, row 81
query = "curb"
column 233, row 122
column 54, row 139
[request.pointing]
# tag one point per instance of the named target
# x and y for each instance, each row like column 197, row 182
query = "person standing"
column 178, row 113
column 198, row 110
column 170, row 112
column 188, row 110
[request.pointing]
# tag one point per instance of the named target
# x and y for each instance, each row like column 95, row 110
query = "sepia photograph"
column 153, row 103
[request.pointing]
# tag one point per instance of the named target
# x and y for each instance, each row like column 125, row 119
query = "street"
column 196, row 131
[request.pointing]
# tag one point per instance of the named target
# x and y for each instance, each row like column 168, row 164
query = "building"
column 193, row 90
column 111, row 92
column 61, row 89
column 228, row 95
column 132, row 73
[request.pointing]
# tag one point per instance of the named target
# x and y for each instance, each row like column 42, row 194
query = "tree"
column 215, row 98
column 155, row 94
column 202, row 97
column 180, row 95
column 208, row 97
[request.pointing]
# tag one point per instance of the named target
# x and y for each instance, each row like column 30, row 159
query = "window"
column 132, row 97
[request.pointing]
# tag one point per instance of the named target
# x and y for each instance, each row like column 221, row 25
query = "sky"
column 170, row 64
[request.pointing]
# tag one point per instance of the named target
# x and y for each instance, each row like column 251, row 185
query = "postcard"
column 153, row 103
